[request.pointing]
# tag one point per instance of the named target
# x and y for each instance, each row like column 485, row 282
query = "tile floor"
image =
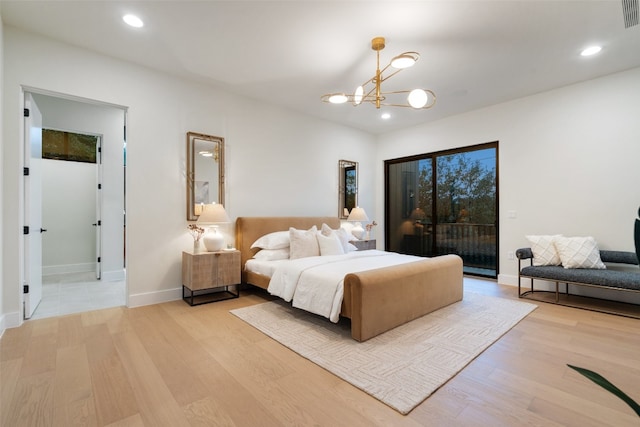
column 77, row 292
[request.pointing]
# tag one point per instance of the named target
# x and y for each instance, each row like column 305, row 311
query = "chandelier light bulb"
column 591, row 50
column 133, row 20
column 338, row 98
column 358, row 95
column 418, row 98
column 405, row 60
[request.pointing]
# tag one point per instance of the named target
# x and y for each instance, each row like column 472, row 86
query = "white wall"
column 568, row 161
column 108, row 122
column 278, row 161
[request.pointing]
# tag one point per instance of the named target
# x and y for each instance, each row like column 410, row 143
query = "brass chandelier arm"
column 372, row 99
column 426, row 107
column 382, row 79
column 408, row 91
column 370, row 96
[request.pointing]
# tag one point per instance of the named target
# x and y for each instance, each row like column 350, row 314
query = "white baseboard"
column 10, row 320
column 113, row 276
column 109, row 276
column 149, row 298
column 68, row 268
column 507, row 279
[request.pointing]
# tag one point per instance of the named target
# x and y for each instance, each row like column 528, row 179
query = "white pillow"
column 330, row 245
column 351, row 247
column 303, row 243
column 272, row 254
column 275, row 240
column 579, row 252
column 544, row 251
column 343, row 235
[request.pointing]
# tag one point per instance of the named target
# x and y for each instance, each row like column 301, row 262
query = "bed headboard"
column 249, row 229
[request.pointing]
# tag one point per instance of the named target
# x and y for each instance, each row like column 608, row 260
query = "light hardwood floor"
column 175, row 365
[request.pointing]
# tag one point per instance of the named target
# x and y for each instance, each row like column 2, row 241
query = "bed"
column 375, row 300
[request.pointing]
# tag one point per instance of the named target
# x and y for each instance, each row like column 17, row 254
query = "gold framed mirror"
column 205, row 172
column 348, row 187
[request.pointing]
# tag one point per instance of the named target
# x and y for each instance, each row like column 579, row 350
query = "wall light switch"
column 512, row 214
column 510, row 255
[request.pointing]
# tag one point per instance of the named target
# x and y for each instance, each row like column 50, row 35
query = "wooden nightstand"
column 208, row 276
column 363, row 245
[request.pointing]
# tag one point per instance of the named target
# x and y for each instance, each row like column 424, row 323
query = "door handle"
column 43, row 230
column 95, row 224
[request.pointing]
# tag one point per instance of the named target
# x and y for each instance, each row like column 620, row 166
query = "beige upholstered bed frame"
column 375, row 300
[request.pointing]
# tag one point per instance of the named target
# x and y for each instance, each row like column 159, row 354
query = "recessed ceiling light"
column 591, row 50
column 133, row 20
column 385, row 116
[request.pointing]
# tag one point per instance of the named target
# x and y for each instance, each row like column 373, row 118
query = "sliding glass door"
column 445, row 203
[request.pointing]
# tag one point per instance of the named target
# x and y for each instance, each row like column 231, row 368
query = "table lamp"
column 213, row 214
column 358, row 214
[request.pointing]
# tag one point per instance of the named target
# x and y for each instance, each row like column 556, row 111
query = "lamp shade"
column 213, row 214
column 358, row 214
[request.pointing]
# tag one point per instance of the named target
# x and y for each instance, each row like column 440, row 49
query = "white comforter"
column 316, row 284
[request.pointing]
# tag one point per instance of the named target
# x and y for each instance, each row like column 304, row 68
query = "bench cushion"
column 610, row 278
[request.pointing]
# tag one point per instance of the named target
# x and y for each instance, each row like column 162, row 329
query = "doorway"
column 445, row 203
column 82, row 275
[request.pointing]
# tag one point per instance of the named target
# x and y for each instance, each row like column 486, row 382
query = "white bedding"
column 316, row 283
column 266, row 268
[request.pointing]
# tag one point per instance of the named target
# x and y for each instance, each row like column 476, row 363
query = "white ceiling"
column 473, row 53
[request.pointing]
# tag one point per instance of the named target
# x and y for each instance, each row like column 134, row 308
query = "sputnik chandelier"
column 417, row 98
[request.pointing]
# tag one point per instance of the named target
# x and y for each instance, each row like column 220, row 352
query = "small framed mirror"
column 205, row 172
column 348, row 187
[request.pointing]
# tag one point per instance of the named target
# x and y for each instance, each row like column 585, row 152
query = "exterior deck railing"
column 475, row 243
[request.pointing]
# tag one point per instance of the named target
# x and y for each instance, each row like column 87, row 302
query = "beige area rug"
column 401, row 367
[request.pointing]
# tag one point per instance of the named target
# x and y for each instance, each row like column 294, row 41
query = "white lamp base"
column 213, row 240
column 358, row 231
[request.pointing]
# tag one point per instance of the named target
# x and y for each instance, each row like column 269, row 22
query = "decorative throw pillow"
column 330, row 245
column 544, row 251
column 579, row 252
column 275, row 240
column 343, row 235
column 303, row 243
column 272, row 254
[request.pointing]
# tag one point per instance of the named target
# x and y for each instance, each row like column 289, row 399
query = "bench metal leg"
column 557, row 294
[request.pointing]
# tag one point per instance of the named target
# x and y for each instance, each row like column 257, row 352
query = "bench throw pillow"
column 579, row 252
column 543, row 249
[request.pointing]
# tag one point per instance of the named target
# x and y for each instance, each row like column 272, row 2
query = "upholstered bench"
column 608, row 278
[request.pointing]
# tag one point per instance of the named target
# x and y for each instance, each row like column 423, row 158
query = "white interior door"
column 32, row 206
